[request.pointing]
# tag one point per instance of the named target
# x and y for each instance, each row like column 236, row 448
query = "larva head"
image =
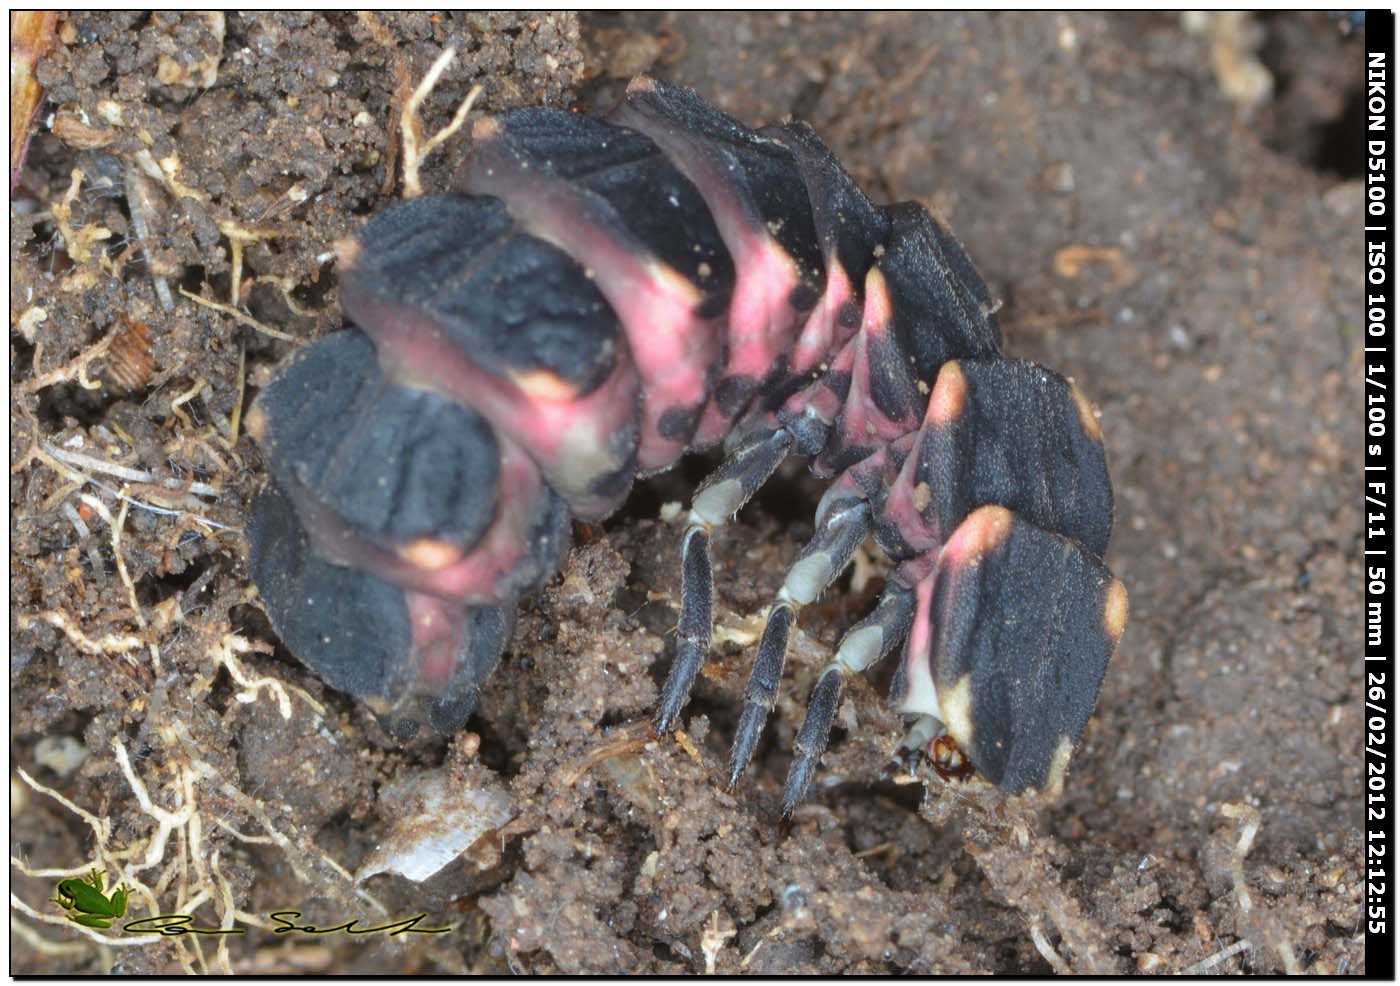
column 404, row 483
column 1026, row 622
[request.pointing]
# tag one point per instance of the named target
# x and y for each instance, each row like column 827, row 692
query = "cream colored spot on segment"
column 949, row 395
column 1059, row 766
column 347, row 252
column 543, row 385
column 1088, row 414
column 378, row 704
column 256, row 423
column 923, row 496
column 430, row 554
column 879, row 309
column 486, row 128
column 673, row 283
column 1115, row 611
column 984, row 530
column 641, row 84
column 956, row 706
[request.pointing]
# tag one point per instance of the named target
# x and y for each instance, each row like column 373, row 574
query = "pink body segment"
column 480, row 576
column 823, row 334
column 672, row 348
column 568, row 435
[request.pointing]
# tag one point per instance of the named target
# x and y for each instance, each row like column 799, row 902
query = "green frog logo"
column 87, row 905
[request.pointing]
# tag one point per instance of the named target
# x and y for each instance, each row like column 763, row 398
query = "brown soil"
column 1189, row 258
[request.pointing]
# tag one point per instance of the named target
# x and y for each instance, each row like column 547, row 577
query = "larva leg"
column 843, row 520
column 875, row 426
column 744, row 470
column 864, row 645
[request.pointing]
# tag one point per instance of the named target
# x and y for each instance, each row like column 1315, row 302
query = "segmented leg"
column 864, row 645
column 693, row 631
column 842, row 524
column 744, row 470
column 762, row 690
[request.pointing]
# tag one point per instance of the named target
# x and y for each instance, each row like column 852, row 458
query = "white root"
column 411, row 126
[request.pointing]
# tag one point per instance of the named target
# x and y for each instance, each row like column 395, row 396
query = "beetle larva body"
column 593, row 300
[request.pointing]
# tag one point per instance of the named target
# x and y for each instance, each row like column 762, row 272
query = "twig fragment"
column 238, row 236
column 1217, row 958
column 180, row 399
column 116, row 525
column 235, row 417
column 41, row 944
column 111, row 643
column 1250, row 816
column 224, row 652
column 605, row 751
column 141, row 203
column 125, row 940
column 1046, row 950
column 77, row 240
column 81, row 460
column 167, row 821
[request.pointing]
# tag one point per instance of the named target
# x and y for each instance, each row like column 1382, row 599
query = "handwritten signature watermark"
column 88, row 903
column 284, row 923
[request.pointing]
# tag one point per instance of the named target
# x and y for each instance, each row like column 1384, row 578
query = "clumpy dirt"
column 1180, row 243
